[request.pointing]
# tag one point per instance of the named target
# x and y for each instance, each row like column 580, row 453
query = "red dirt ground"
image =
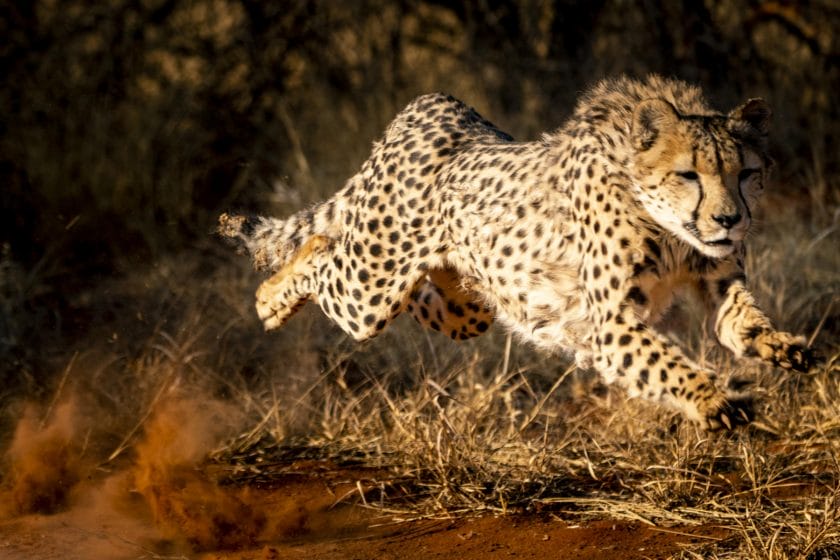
column 302, row 522
column 160, row 502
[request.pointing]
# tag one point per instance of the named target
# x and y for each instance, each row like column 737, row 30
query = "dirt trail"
column 91, row 531
column 491, row 537
column 57, row 504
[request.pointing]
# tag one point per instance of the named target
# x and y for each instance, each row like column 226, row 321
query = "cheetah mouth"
column 719, row 243
column 693, row 231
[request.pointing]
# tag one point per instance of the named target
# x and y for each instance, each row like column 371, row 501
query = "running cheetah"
column 577, row 241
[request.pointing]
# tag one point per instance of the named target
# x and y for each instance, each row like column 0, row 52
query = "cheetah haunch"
column 577, row 241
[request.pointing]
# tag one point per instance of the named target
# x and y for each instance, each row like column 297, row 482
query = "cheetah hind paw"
column 734, row 411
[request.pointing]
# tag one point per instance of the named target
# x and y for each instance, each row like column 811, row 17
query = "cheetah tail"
column 272, row 242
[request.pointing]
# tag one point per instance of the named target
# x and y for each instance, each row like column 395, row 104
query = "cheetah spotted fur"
column 577, row 241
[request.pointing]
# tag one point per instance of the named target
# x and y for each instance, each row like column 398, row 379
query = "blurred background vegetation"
column 126, row 126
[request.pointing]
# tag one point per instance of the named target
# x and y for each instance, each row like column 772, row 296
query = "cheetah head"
column 700, row 176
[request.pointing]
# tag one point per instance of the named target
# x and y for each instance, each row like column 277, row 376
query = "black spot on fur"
column 636, row 295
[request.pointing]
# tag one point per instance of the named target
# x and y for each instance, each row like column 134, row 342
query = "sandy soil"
column 161, row 500
column 302, row 521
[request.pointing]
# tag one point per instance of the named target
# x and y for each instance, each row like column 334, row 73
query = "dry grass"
column 109, row 286
column 491, row 427
column 486, row 426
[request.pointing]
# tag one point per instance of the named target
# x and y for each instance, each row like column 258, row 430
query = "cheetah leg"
column 444, row 303
column 649, row 365
column 743, row 328
column 284, row 293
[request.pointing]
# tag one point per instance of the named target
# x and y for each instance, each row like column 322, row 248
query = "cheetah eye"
column 688, row 175
column 746, row 174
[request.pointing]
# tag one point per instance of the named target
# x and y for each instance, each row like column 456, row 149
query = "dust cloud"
column 46, row 472
column 44, row 463
column 160, row 498
column 185, row 502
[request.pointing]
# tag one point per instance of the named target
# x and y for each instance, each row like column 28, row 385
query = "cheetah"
column 576, row 242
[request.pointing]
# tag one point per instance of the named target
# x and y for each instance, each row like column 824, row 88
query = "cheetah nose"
column 727, row 221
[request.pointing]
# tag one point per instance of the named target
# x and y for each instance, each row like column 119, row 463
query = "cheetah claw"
column 803, row 359
column 733, row 412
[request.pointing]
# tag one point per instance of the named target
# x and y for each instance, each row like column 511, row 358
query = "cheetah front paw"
column 730, row 413
column 785, row 350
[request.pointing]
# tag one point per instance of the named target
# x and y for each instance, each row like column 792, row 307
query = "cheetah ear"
column 754, row 113
column 650, row 118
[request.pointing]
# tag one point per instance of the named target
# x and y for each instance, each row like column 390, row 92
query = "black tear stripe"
column 718, row 159
column 740, row 190
column 695, row 214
